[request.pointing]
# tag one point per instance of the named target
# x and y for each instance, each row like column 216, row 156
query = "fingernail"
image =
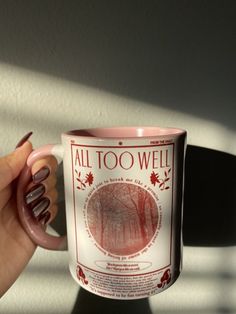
column 34, row 193
column 41, row 175
column 40, row 207
column 44, row 217
column 23, row 140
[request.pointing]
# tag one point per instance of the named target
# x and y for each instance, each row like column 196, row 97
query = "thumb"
column 12, row 164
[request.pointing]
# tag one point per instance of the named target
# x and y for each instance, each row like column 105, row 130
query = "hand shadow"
column 208, row 220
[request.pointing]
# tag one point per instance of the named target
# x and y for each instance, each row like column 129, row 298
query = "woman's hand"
column 16, row 248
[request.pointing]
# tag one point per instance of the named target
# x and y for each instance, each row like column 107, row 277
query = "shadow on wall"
column 178, row 54
column 88, row 303
column 210, row 198
column 209, row 219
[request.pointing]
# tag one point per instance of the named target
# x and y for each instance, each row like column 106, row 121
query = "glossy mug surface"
column 123, row 194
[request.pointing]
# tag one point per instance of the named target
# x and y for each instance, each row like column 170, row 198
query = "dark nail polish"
column 40, row 207
column 34, row 193
column 44, row 217
column 41, row 175
column 23, row 140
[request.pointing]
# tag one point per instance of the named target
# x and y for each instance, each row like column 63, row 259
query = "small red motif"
column 89, row 178
column 83, row 182
column 155, row 178
column 81, row 276
column 165, row 279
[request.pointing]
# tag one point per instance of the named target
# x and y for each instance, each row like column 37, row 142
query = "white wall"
column 47, row 105
column 79, row 65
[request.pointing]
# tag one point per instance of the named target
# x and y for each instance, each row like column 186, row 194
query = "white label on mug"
column 123, row 211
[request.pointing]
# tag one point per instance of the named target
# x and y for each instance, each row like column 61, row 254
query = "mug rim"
column 128, row 132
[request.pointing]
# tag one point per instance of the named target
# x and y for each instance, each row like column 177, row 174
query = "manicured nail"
column 41, row 175
column 34, row 193
column 44, row 217
column 23, row 140
column 40, row 206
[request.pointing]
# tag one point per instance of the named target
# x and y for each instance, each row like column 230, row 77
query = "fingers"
column 41, row 194
column 43, row 167
column 45, row 188
column 12, row 164
column 45, row 208
column 36, row 190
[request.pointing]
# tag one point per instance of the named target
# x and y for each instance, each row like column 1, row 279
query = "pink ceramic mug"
column 123, row 192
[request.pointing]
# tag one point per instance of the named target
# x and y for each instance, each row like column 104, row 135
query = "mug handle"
column 34, row 229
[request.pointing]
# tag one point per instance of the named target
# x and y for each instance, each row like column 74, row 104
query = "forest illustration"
column 122, row 217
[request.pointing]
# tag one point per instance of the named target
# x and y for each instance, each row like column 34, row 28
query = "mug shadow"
column 88, row 303
column 209, row 218
column 210, row 198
